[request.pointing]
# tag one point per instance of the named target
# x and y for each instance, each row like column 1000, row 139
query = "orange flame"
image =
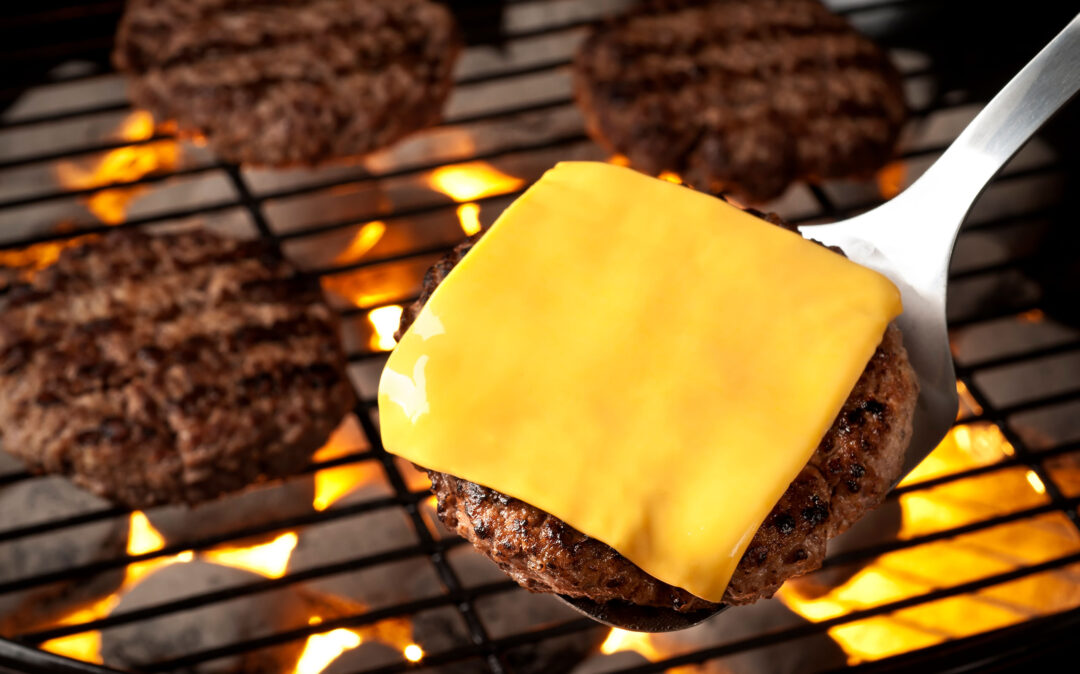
column 268, row 559
column 670, row 177
column 143, row 538
column 620, row 640
column 968, row 404
column 39, row 255
column 919, row 569
column 365, row 239
column 333, row 483
column 469, row 217
column 122, row 165
column 384, row 321
column 468, row 182
column 322, row 649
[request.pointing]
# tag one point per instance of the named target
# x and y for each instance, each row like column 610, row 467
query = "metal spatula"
column 910, row 239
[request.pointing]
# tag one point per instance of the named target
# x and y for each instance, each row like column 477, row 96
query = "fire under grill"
column 975, row 558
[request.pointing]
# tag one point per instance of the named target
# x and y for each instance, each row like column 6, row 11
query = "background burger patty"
column 168, row 369
column 849, row 473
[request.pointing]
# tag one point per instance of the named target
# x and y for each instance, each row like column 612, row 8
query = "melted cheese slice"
column 649, row 364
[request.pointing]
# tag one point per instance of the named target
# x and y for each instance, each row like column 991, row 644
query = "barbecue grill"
column 976, row 565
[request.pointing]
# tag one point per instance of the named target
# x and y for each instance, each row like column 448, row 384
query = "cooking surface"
column 984, row 536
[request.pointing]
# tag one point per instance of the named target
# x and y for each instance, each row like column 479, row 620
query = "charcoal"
column 364, row 657
column 186, row 632
column 516, row 612
column 359, row 536
column 39, row 500
column 599, row 664
column 233, row 512
column 8, row 463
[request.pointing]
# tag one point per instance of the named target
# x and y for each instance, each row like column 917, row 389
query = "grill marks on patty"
column 849, row 473
column 740, row 95
column 287, row 82
column 159, row 369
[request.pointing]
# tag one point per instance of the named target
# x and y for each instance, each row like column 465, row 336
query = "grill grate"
column 525, row 87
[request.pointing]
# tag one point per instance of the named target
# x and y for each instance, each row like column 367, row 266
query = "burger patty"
column 744, row 96
column 854, row 466
column 163, row 369
column 282, row 83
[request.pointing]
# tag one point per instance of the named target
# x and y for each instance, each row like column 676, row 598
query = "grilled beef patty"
column 281, row 83
column 168, row 369
column 849, row 473
column 744, row 96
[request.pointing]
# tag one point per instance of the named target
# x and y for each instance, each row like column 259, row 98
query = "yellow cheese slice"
column 649, row 364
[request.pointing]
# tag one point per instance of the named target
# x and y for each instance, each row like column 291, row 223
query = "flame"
column 85, row 646
column 621, row 640
column 322, row 649
column 39, row 255
column 890, row 179
column 364, row 240
column 122, row 165
column 385, row 321
column 968, row 404
column 472, row 181
column 143, row 538
column 333, row 483
column 920, row 569
column 469, row 217
column 268, row 559
column 468, row 182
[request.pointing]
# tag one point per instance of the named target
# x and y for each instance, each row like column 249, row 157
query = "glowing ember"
column 365, row 240
column 1033, row 316
column 385, row 322
column 122, row 165
column 621, row 640
column 269, row 559
column 890, row 179
column 469, row 216
column 333, row 483
column 413, row 653
column 670, row 177
column 322, row 649
column 619, row 160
